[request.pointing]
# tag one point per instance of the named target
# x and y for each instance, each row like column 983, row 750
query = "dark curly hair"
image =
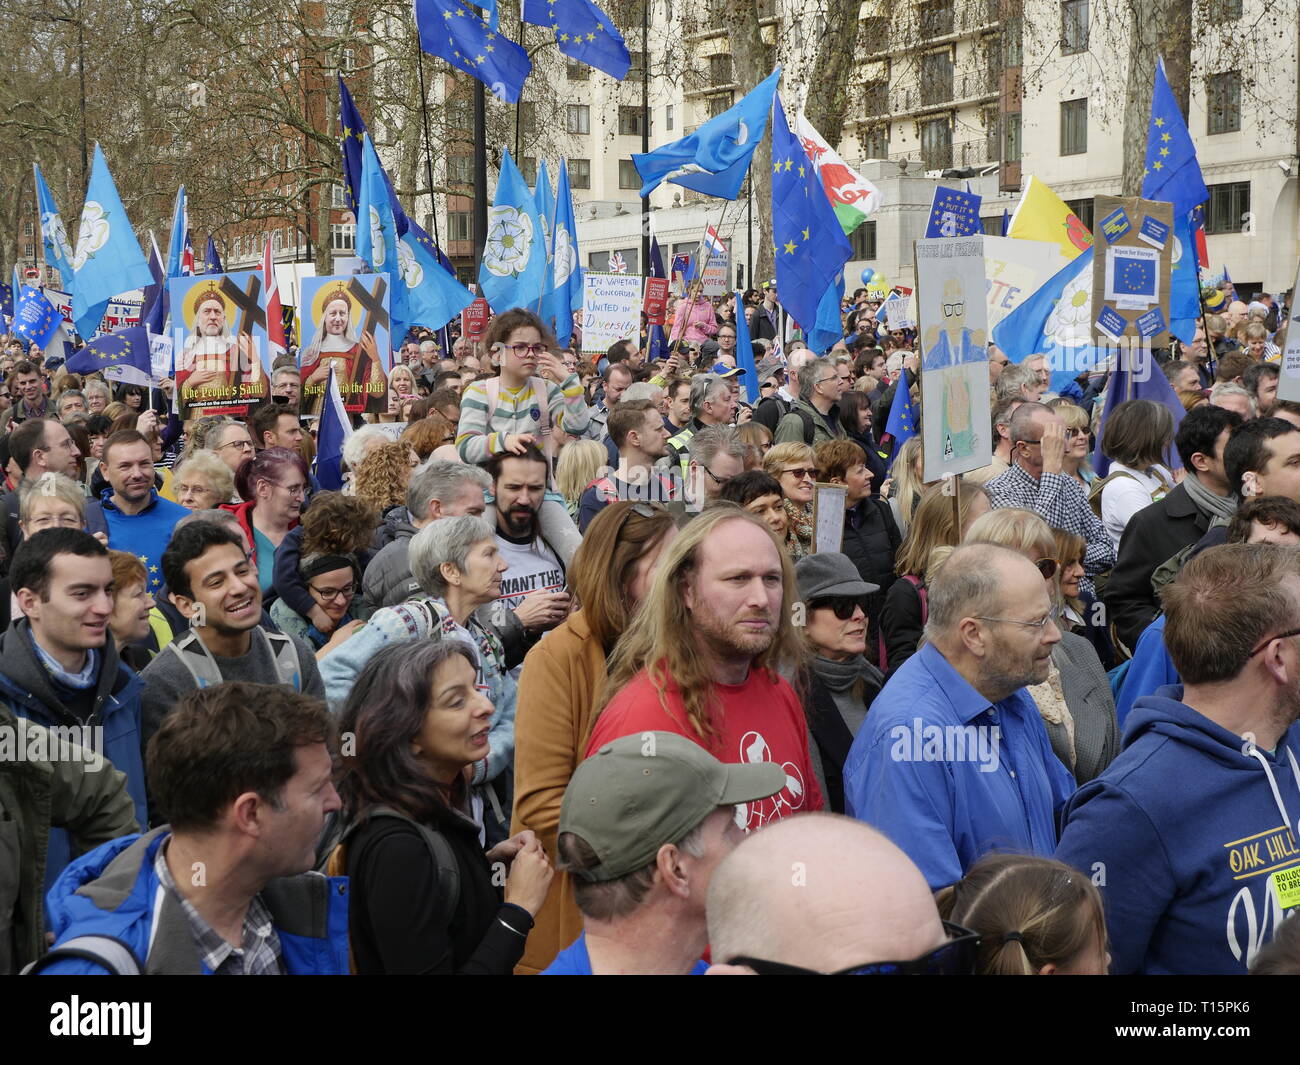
column 337, row 524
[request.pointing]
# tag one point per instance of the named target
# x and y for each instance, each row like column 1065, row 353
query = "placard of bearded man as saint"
column 357, row 368
column 952, row 345
column 214, row 358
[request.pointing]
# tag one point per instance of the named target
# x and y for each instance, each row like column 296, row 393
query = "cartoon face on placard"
column 219, row 336
column 345, row 325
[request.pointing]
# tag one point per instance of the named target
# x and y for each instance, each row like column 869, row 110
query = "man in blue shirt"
column 139, row 520
column 954, row 761
column 645, row 821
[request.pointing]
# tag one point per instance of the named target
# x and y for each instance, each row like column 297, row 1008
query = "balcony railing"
column 947, row 157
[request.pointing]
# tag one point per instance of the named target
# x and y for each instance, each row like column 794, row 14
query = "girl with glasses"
column 794, row 467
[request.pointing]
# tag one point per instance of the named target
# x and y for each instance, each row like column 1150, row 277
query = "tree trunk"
column 751, row 61
column 1157, row 28
column 828, row 93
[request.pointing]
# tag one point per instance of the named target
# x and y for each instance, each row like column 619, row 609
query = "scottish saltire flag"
column 332, row 433
column 809, row 243
column 153, row 311
column 455, row 32
column 513, row 271
column 180, row 236
column 377, row 236
column 853, row 196
column 108, row 260
column 617, row 264
column 745, row 352
column 121, row 356
column 901, row 425
column 584, row 32
column 211, row 260
column 565, row 295
column 433, row 295
column 58, row 252
column 36, row 319
column 715, row 158
column 1173, row 173
column 1142, row 380
column 656, row 342
column 953, row 213
column 352, row 130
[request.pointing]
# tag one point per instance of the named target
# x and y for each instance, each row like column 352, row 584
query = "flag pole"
column 428, row 145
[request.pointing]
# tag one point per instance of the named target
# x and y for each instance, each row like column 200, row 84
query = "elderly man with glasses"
column 1036, row 481
column 954, row 759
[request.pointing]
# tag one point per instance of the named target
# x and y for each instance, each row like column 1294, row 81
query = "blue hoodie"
column 144, row 535
column 114, row 891
column 1189, row 834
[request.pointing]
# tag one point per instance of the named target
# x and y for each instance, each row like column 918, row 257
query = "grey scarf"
column 1218, row 508
column 841, row 678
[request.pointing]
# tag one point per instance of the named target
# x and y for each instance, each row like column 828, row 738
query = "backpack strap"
column 921, row 594
column 285, row 655
column 196, row 659
column 809, row 429
column 1099, row 486
column 112, row 954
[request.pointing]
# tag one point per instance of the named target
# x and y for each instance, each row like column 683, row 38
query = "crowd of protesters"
column 563, row 680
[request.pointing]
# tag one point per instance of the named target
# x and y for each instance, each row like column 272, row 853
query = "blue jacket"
column 1184, row 834
column 113, row 891
column 950, row 777
column 146, row 534
column 1150, row 669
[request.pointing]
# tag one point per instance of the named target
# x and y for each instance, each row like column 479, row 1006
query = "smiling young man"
column 139, row 519
column 213, row 583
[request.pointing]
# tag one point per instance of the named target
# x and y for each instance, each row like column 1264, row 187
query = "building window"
column 630, row 122
column 636, row 72
column 338, row 197
column 1074, row 26
column 628, row 178
column 992, row 225
column 1074, row 127
column 1012, row 153
column 1229, row 207
column 936, row 77
column 717, row 103
column 720, row 69
column 460, row 170
column 460, row 115
column 580, row 173
column 239, row 247
column 1082, row 210
column 343, row 236
column 277, row 242
column 875, row 144
column 875, row 97
column 936, row 18
column 29, row 251
column 27, row 229
column 460, row 225
column 992, row 133
column 1223, row 11
column 936, row 144
column 578, row 118
column 528, row 116
column 668, row 117
column 873, row 31
column 347, row 61
column 577, row 71
column 863, row 241
column 528, row 167
column 1012, row 47
column 1223, row 102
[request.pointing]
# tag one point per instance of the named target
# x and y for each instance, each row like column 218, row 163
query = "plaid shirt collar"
column 259, row 953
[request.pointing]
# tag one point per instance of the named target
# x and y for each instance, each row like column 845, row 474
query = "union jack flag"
column 617, row 264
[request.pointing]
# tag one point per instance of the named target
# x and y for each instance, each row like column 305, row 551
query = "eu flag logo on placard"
column 953, row 213
column 1136, row 277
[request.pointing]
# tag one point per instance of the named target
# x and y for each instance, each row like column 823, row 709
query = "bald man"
column 954, row 760
column 821, row 893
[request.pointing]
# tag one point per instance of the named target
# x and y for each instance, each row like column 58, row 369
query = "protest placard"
column 611, row 309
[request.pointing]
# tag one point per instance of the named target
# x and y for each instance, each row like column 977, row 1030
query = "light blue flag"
column 180, row 231
column 565, row 269
column 377, row 238
column 108, row 260
column 513, row 272
column 1029, row 329
column 715, row 158
column 745, row 352
column 545, row 200
column 58, row 252
column 829, row 325
column 15, row 291
column 433, row 295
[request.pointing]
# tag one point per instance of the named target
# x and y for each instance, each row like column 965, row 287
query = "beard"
column 726, row 638
column 520, row 523
column 1005, row 672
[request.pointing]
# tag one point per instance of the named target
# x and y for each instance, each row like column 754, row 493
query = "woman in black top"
column 417, row 720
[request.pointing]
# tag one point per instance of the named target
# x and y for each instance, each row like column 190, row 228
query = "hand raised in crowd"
column 744, row 414
column 147, row 422
column 1053, row 445
column 506, row 850
column 542, row 610
column 550, row 367
column 529, row 878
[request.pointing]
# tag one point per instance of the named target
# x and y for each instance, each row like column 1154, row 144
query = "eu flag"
column 7, row 301
column 584, row 32
column 810, row 246
column 453, row 31
column 121, row 356
column 901, row 424
column 211, row 260
column 1135, row 276
column 35, row 318
column 352, row 131
column 953, row 213
column 715, row 158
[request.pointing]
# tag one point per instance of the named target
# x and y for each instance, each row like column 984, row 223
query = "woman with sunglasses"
column 563, row 682
column 1075, row 701
column 794, row 467
column 1078, row 442
column 840, row 683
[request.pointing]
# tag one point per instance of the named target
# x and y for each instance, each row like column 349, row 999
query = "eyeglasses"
column 1279, row 636
column 823, row 381
column 298, row 491
column 1076, row 432
column 1037, row 626
column 521, row 350
column 844, row 606
column 243, row 445
column 1047, row 567
column 955, row 957
column 721, row 482
column 801, row 472
column 328, row 595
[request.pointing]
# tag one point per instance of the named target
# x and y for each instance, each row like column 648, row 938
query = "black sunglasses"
column 956, row 957
column 843, row 605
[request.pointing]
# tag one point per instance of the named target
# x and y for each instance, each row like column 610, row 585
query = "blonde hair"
column 781, row 454
column 908, row 486
column 383, row 475
column 932, row 527
column 210, row 465
column 579, row 464
column 660, row 641
column 1019, row 530
column 47, row 486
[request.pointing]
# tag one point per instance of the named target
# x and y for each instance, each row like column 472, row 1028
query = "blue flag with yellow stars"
column 352, row 131
column 953, row 213
column 121, row 356
column 809, row 243
column 455, row 32
column 35, row 318
column 901, row 423
column 584, row 32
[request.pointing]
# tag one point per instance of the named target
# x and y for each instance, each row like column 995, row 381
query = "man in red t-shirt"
column 702, row 656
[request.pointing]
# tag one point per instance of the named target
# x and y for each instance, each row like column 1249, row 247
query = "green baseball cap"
column 650, row 788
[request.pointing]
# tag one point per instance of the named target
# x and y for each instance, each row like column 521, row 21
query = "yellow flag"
column 1042, row 215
